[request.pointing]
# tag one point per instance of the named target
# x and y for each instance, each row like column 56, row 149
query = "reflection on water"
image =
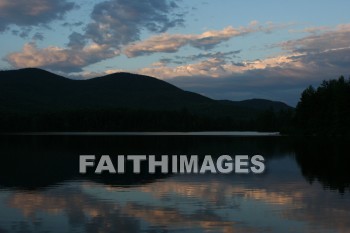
column 304, row 189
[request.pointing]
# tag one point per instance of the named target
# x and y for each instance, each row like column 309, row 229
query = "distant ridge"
column 33, row 91
column 259, row 104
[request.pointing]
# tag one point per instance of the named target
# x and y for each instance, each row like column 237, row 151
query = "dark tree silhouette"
column 325, row 110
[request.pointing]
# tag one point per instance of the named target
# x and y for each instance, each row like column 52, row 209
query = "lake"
column 305, row 187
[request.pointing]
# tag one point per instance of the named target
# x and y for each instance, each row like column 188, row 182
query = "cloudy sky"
column 222, row 49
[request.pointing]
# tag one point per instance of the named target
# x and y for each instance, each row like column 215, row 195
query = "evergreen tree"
column 325, row 110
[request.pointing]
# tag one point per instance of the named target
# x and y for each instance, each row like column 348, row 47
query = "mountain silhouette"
column 258, row 104
column 32, row 91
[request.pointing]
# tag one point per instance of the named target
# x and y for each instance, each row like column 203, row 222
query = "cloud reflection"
column 217, row 205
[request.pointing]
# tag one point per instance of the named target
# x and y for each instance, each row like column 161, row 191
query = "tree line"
column 139, row 120
column 324, row 110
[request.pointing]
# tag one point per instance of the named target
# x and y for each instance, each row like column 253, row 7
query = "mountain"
column 33, row 92
column 259, row 104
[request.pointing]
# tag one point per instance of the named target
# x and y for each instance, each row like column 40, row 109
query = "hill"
column 34, row 92
column 258, row 104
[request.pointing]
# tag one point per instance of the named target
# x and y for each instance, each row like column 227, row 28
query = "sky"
column 222, row 49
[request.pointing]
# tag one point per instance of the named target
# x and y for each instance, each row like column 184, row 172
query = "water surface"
column 195, row 133
column 305, row 187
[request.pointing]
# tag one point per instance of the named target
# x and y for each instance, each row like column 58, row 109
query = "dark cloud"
column 15, row 32
column 335, row 39
column 38, row 36
column 77, row 40
column 308, row 61
column 200, row 56
column 114, row 24
column 23, row 33
column 283, row 83
column 76, row 24
column 166, row 60
column 31, row 13
column 334, row 60
column 119, row 22
column 171, row 43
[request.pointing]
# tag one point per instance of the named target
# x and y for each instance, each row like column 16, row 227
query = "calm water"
column 304, row 189
column 201, row 133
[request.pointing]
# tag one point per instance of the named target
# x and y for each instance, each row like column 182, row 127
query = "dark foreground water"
column 305, row 187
